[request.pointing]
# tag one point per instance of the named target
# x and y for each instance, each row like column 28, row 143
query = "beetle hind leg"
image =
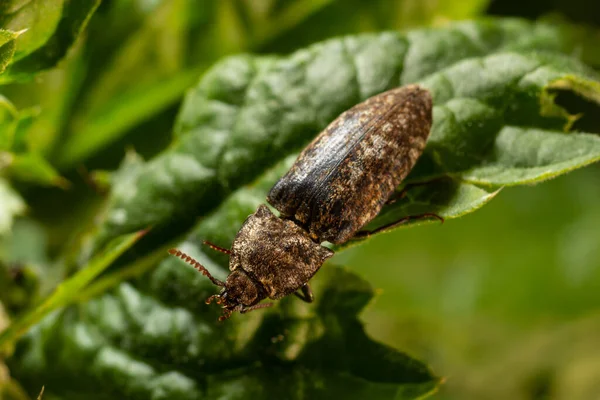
column 244, row 310
column 307, row 294
column 401, row 221
column 397, row 196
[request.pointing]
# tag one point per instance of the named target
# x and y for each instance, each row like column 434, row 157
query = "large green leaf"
column 50, row 27
column 7, row 47
column 490, row 81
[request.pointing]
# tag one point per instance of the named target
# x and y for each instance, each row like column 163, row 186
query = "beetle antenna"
column 196, row 265
column 217, row 248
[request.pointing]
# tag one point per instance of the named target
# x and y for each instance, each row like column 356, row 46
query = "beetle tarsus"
column 245, row 310
column 307, row 294
column 226, row 315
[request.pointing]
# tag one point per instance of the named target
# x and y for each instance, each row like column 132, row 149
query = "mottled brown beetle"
column 337, row 185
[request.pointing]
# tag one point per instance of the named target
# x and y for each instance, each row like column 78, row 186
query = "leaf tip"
column 41, row 393
column 62, row 183
column 141, row 233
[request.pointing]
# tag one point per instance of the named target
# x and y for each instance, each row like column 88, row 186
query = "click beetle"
column 338, row 184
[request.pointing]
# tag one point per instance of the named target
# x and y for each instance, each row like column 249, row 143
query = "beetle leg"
column 364, row 234
column 396, row 196
column 217, row 248
column 244, row 310
column 307, row 294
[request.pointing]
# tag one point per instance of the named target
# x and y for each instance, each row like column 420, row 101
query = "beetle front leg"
column 307, row 294
column 401, row 221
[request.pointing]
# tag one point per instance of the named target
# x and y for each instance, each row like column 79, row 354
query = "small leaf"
column 8, row 123
column 12, row 205
column 52, row 27
column 7, row 47
column 31, row 167
column 38, row 17
column 20, row 163
column 22, row 138
column 66, row 291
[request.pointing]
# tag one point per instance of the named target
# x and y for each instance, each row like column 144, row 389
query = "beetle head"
column 239, row 292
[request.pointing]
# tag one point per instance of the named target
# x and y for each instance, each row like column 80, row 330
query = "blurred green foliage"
column 511, row 291
column 503, row 303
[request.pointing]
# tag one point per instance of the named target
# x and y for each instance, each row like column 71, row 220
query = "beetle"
column 337, row 185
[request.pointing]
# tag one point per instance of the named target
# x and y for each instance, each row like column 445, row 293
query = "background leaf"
column 7, row 47
column 39, row 18
column 12, row 205
column 170, row 43
column 65, row 292
column 52, row 26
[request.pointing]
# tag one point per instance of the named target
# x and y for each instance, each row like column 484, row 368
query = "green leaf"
column 156, row 55
column 66, row 291
column 50, row 28
column 313, row 351
column 38, row 18
column 24, row 256
column 20, row 162
column 7, row 47
column 8, row 123
column 525, row 155
column 248, row 112
column 31, row 167
column 12, row 205
column 329, row 18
